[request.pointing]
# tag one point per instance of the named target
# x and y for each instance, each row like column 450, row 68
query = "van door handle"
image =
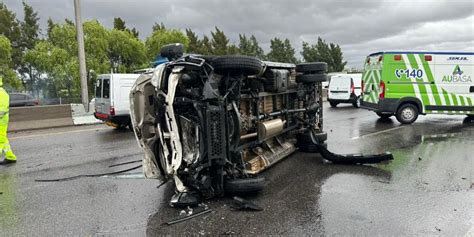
column 471, row 89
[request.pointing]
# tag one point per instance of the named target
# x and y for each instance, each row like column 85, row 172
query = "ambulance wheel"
column 333, row 104
column 407, row 113
column 384, row 116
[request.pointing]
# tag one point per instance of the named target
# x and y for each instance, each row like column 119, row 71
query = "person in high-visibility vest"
column 5, row 148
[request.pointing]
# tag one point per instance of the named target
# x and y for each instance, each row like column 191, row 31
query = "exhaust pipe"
column 353, row 158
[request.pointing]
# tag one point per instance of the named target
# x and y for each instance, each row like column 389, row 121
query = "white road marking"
column 377, row 133
column 56, row 133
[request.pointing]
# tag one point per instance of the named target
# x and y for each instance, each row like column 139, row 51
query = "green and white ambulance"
column 406, row 84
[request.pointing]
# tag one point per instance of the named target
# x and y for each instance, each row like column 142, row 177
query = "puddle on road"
column 439, row 137
column 439, row 162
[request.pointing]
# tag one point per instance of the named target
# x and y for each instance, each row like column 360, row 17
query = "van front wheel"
column 407, row 113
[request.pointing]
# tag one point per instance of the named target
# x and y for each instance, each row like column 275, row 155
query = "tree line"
column 46, row 63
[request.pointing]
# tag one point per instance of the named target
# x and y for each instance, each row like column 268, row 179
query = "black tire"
column 237, row 64
column 172, row 51
column 356, row 103
column 311, row 139
column 333, row 104
column 384, row 116
column 247, row 185
column 317, row 68
column 311, row 78
column 130, row 127
column 407, row 113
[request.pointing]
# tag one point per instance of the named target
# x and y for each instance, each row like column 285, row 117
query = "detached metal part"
column 354, row 158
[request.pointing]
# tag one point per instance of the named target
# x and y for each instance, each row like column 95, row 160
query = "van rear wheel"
column 333, row 104
column 407, row 113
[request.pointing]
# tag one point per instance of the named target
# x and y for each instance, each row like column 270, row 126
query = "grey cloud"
column 358, row 26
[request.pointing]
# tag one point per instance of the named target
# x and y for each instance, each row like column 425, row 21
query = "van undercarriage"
column 212, row 124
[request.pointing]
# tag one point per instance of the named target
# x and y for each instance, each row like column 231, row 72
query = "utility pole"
column 82, row 55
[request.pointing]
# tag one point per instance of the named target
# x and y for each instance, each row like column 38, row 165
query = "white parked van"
column 112, row 103
column 345, row 88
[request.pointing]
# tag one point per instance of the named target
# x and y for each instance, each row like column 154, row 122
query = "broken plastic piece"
column 353, row 158
column 241, row 204
column 184, row 199
column 181, row 219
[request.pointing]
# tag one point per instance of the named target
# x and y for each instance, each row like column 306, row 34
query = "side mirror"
column 172, row 51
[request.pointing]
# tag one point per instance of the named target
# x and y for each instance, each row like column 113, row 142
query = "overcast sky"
column 360, row 27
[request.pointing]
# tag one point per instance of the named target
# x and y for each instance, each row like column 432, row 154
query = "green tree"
column 206, row 46
column 96, row 40
column 10, row 28
column 194, row 44
column 29, row 27
column 337, row 58
column 29, row 37
column 324, row 52
column 250, row 47
column 281, row 51
column 158, row 27
column 126, row 53
column 96, row 44
column 69, row 22
column 10, row 79
column 134, row 32
column 51, row 25
column 162, row 37
column 119, row 24
column 219, row 42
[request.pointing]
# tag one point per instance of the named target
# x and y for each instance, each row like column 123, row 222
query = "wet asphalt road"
column 427, row 190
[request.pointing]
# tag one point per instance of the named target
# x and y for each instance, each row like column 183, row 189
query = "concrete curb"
column 81, row 117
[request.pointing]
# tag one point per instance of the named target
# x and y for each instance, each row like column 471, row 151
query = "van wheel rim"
column 408, row 114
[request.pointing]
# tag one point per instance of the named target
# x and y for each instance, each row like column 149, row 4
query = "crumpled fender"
column 143, row 122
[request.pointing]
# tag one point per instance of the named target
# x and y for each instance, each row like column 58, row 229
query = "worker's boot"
column 7, row 162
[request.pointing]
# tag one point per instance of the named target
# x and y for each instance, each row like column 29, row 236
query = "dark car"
column 22, row 99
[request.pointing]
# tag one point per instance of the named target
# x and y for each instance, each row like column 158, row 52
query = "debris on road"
column 87, row 175
column 125, row 163
column 241, row 204
column 229, row 232
column 353, row 158
column 189, row 216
